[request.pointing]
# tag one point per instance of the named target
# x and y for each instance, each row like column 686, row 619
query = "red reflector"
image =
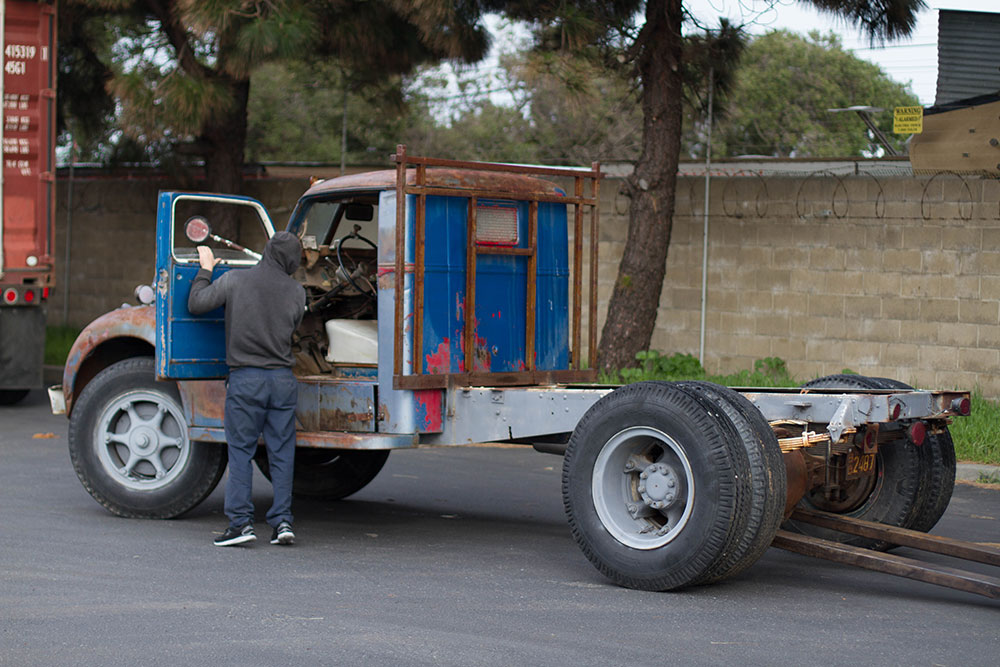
column 29, row 296
column 896, row 409
column 45, row 293
column 962, row 406
column 10, row 295
column 917, row 433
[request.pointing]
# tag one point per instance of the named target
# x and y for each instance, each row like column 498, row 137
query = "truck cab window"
column 241, row 224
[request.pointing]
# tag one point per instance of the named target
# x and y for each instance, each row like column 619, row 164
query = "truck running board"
column 900, row 566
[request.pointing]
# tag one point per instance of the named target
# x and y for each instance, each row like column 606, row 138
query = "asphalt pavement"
column 450, row 557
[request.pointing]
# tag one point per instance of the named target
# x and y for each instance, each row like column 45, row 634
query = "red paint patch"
column 429, row 410
column 439, row 361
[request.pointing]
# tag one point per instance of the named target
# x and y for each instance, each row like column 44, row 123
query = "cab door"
column 194, row 346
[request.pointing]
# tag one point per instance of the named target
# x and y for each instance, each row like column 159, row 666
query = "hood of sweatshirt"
column 284, row 251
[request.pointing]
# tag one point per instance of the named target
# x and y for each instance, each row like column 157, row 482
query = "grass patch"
column 769, row 372
column 58, row 340
column 977, row 437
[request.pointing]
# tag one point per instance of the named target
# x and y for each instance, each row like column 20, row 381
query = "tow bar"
column 900, row 566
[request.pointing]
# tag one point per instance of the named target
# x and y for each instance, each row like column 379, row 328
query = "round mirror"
column 197, row 229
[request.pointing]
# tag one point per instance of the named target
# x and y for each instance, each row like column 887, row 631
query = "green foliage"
column 988, row 479
column 576, row 107
column 58, row 341
column 977, row 437
column 296, row 113
column 568, row 108
column 180, row 72
column 782, row 89
column 768, row 372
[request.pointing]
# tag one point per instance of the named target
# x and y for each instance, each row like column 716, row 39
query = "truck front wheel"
column 129, row 445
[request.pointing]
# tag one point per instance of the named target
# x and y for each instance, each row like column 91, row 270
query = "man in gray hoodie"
column 264, row 306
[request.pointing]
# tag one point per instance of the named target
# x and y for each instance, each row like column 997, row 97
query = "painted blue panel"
column 501, row 292
column 187, row 346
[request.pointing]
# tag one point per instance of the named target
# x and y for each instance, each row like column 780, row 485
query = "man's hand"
column 207, row 258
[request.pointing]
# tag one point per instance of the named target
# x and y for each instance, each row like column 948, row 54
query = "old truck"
column 446, row 305
column 27, row 191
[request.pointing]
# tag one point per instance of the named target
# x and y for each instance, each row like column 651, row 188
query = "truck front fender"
column 119, row 334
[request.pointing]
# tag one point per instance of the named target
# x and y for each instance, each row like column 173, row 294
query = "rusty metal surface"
column 328, row 440
column 947, row 546
column 595, row 213
column 336, row 406
column 322, row 440
column 900, row 566
column 138, row 322
column 204, row 401
column 512, row 379
column 472, row 178
column 797, row 475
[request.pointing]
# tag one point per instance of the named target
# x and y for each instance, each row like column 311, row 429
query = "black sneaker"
column 233, row 536
column 283, row 534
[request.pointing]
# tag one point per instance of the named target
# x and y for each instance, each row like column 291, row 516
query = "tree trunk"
column 652, row 186
column 224, row 138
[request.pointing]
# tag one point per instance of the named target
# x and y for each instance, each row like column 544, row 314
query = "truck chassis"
column 665, row 484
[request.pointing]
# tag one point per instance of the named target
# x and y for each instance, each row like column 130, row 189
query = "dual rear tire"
column 912, row 485
column 666, row 485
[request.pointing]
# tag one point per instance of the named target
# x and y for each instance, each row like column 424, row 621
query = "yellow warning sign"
column 908, row 120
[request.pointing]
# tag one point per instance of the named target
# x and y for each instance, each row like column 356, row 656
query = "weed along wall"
column 886, row 275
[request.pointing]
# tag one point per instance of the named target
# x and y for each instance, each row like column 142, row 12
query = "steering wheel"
column 340, row 260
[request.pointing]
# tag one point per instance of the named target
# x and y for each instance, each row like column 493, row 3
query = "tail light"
column 962, row 406
column 10, row 295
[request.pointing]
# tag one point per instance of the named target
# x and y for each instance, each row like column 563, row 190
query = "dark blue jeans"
column 260, row 401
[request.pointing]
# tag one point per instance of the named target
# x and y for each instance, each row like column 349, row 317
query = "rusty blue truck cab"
column 485, row 301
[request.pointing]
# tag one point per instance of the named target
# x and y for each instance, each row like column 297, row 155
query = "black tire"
column 660, row 431
column 890, row 497
column 330, row 474
column 129, row 446
column 937, row 473
column 12, row 396
column 768, row 481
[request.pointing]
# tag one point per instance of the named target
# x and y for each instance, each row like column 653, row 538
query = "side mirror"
column 197, row 229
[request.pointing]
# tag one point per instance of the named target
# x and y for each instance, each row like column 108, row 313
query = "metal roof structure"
column 968, row 55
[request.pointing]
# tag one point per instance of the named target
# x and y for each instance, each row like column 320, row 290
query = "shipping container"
column 27, row 185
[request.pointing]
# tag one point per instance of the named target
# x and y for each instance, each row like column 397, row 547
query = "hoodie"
column 264, row 305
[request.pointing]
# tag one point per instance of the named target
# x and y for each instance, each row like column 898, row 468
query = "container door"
column 194, row 346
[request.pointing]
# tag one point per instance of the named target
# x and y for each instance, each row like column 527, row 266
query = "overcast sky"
column 912, row 60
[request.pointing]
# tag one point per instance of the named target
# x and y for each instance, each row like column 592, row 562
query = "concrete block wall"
column 113, row 239
column 896, row 277
column 888, row 276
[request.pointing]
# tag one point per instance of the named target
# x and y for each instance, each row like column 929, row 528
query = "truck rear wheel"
column 653, row 486
column 330, row 474
column 937, row 472
column 129, row 445
column 890, row 496
column 767, row 477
